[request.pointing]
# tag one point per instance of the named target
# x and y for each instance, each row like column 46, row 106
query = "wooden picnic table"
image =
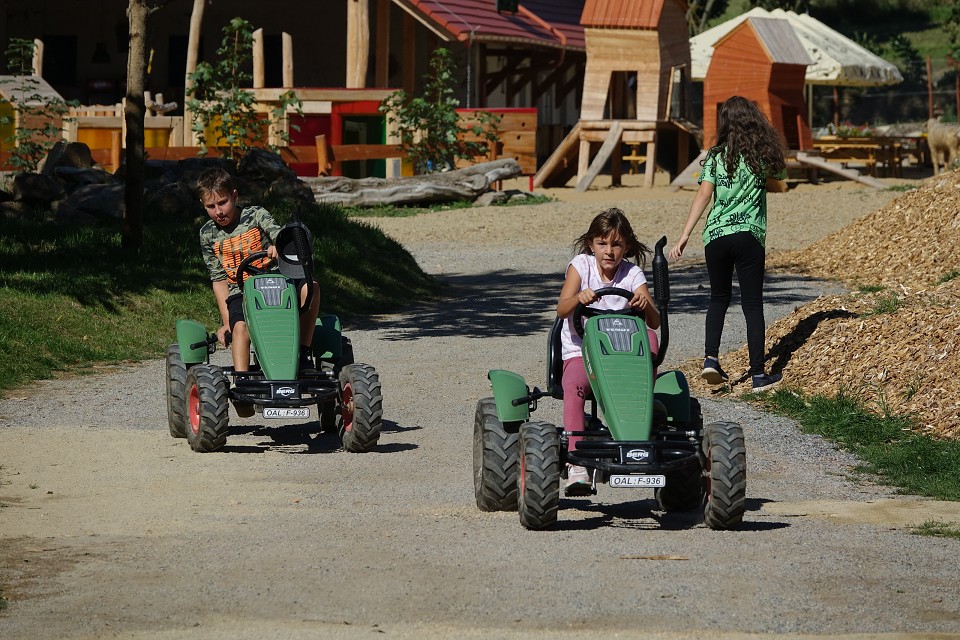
column 887, row 152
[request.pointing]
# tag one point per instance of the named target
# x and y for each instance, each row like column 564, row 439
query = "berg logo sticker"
column 285, row 391
column 638, row 454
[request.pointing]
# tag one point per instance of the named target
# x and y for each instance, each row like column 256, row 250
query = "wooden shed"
column 637, row 52
column 762, row 59
column 647, row 38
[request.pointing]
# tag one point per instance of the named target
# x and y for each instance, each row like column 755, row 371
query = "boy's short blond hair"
column 214, row 181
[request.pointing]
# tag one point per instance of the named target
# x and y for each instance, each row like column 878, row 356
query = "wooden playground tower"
column 629, row 42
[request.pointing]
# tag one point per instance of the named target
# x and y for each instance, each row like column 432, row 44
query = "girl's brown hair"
column 613, row 221
column 744, row 132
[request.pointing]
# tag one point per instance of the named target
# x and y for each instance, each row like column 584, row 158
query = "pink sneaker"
column 578, row 481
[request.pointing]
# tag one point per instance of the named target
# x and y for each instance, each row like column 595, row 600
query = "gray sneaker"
column 762, row 382
column 712, row 372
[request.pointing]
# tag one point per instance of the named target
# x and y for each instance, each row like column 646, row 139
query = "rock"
column 174, row 200
column 490, row 198
column 295, row 190
column 73, row 178
column 66, row 154
column 36, row 189
column 264, row 166
column 96, row 200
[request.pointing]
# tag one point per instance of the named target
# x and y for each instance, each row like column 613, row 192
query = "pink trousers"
column 575, row 389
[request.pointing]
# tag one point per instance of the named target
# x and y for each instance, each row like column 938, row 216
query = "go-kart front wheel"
column 495, row 460
column 538, row 493
column 208, row 407
column 176, row 393
column 726, row 475
column 361, row 409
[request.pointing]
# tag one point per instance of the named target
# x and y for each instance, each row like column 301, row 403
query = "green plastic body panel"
column 191, row 332
column 507, row 387
column 620, row 375
column 672, row 390
column 275, row 326
column 327, row 341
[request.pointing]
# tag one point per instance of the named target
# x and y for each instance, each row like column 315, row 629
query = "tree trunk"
column 133, row 113
column 462, row 184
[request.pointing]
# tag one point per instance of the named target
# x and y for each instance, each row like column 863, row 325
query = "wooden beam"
column 609, row 145
column 559, row 158
column 287, row 41
column 193, row 47
column 383, row 44
column 259, row 74
column 358, row 43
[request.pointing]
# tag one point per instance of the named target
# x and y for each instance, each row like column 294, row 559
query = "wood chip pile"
column 897, row 348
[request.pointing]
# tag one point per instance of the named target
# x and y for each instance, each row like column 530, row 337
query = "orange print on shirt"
column 232, row 252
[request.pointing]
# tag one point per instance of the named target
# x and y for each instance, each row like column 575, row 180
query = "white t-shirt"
column 628, row 276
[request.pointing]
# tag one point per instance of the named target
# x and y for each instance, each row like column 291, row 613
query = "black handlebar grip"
column 661, row 279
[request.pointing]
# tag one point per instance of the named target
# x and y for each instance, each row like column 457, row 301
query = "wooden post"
column 409, row 52
column 115, row 150
column 258, row 71
column 358, row 43
column 287, row 60
column 383, row 44
column 193, row 47
column 38, row 57
column 323, row 159
column 651, row 166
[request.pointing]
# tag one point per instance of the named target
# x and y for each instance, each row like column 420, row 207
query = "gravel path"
column 111, row 528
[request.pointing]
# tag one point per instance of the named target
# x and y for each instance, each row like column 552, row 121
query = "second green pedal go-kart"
column 651, row 435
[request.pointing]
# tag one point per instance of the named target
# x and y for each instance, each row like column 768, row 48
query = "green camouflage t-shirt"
column 739, row 203
column 224, row 250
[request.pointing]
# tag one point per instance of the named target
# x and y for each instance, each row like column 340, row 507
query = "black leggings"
column 743, row 252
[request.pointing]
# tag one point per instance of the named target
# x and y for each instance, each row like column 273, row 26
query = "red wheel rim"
column 193, row 408
column 346, row 407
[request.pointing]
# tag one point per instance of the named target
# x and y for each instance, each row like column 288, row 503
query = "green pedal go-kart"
column 652, row 433
column 347, row 394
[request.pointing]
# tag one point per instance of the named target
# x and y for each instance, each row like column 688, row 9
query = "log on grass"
column 450, row 186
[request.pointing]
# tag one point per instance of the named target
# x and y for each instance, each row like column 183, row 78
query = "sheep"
column 945, row 139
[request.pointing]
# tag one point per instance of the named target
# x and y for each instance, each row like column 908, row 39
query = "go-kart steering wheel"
column 582, row 311
column 246, row 265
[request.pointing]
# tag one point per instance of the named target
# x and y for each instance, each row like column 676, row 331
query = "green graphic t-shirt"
column 739, row 202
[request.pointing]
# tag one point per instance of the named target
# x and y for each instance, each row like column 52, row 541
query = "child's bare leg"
column 308, row 318
column 240, row 347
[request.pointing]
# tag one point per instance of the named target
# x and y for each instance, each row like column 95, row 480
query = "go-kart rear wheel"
column 684, row 491
column 361, row 409
column 538, row 494
column 726, row 475
column 495, row 460
column 176, row 393
column 208, row 408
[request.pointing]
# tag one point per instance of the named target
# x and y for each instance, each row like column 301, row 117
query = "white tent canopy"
column 838, row 60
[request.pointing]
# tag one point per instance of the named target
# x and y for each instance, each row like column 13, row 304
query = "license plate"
column 298, row 412
column 638, row 481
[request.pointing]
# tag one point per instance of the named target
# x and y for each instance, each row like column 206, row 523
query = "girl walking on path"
column 600, row 263
column 746, row 162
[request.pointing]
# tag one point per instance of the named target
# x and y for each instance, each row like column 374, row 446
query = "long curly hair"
column 744, row 132
column 614, row 221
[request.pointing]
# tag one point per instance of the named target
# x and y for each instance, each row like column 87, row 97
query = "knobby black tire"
column 495, row 460
column 363, row 431
column 208, row 419
column 176, row 393
column 726, row 475
column 684, row 491
column 538, row 495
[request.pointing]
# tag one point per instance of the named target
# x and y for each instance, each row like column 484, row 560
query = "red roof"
column 478, row 20
column 625, row 14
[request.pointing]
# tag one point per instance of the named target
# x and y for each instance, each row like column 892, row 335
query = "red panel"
column 622, row 14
